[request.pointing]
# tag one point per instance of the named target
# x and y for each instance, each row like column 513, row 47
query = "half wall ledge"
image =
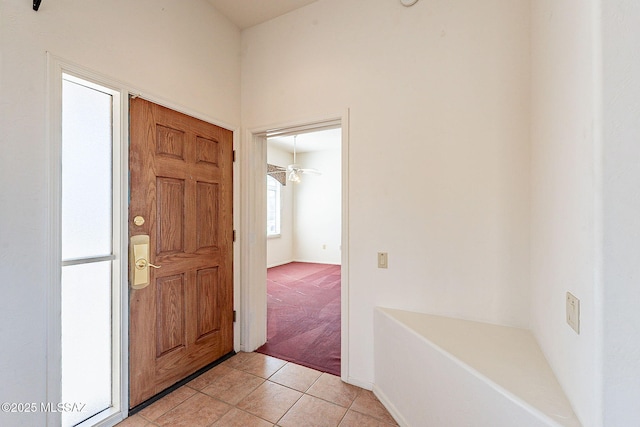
column 436, row 371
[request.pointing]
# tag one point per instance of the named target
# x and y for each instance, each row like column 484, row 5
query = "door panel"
column 181, row 184
column 207, row 215
column 170, row 314
column 209, row 321
column 171, row 216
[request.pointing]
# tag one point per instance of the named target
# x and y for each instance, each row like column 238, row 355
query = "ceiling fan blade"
column 294, row 171
column 311, row 171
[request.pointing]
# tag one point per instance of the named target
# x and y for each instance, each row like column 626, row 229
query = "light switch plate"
column 573, row 312
column 383, row 260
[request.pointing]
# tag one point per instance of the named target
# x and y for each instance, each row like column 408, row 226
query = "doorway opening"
column 304, row 232
column 254, row 219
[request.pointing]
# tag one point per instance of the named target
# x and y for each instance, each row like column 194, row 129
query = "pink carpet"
column 303, row 315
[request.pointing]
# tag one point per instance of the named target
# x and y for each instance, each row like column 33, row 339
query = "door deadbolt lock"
column 139, row 261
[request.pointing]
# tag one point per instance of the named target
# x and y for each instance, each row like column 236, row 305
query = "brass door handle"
column 143, row 263
column 139, row 261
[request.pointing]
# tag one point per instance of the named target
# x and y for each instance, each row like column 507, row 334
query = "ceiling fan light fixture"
column 294, row 171
column 293, row 176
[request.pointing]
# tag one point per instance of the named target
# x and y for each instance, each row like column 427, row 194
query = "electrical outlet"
column 573, row 312
column 383, row 261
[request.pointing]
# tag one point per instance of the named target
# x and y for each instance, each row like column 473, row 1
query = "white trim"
column 278, row 264
column 253, row 243
column 236, row 246
column 54, row 265
column 253, row 240
column 309, row 261
column 121, row 155
column 367, row 385
column 397, row 416
column 344, row 270
column 307, row 127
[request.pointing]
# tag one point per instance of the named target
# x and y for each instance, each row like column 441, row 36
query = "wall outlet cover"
column 573, row 312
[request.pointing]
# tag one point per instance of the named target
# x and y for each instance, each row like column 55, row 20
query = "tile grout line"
column 273, row 382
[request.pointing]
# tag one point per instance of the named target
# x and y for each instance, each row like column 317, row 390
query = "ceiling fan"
column 294, row 170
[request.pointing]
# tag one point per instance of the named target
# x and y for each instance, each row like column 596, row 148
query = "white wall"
column 563, row 151
column 280, row 249
column 188, row 55
column 585, row 175
column 318, row 209
column 439, row 100
column 621, row 211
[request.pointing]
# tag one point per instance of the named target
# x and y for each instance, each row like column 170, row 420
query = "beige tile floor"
column 251, row 389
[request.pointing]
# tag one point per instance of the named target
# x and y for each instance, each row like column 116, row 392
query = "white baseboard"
column 390, row 407
column 278, row 264
column 359, row 383
column 316, row 262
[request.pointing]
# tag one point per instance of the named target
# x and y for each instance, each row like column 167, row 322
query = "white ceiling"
column 308, row 142
column 247, row 13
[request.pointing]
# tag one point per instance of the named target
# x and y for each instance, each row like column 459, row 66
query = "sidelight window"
column 87, row 247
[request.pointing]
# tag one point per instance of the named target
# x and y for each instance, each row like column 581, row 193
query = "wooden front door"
column 181, row 185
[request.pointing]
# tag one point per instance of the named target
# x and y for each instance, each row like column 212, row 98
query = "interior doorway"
column 254, row 238
column 303, row 210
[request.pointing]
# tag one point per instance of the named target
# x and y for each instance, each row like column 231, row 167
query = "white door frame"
column 253, row 239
